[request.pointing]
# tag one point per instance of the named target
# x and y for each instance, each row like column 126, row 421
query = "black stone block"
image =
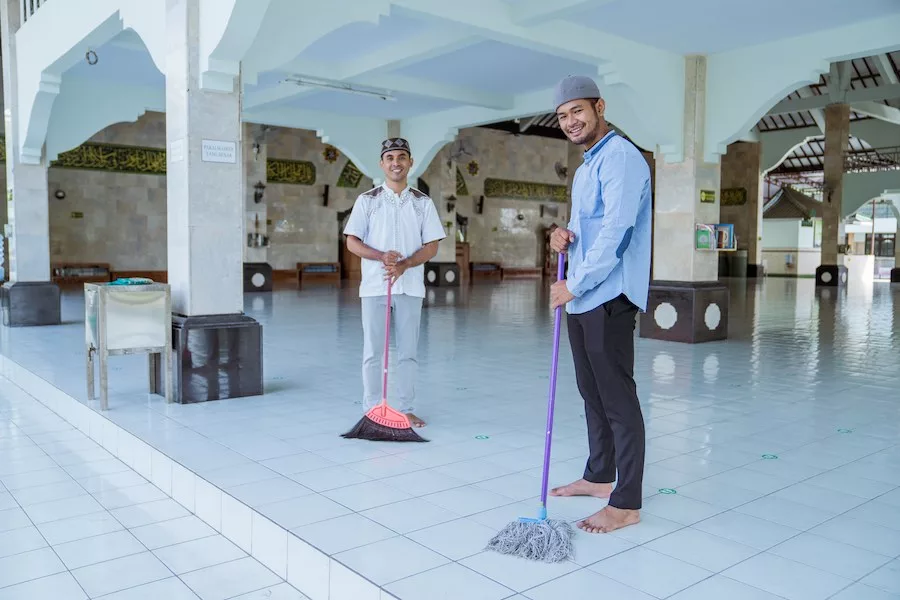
column 831, row 276
column 755, row 271
column 895, row 275
column 690, row 312
column 257, row 277
column 31, row 303
column 215, row 357
column 441, row 274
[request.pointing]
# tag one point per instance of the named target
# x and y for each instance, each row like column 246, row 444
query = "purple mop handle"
column 560, row 275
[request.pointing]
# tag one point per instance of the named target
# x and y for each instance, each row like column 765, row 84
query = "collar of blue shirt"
column 593, row 150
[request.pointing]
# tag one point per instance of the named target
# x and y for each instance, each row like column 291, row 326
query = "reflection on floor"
column 781, row 445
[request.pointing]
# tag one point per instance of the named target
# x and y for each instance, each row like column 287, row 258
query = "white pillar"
column 217, row 350
column 204, row 178
column 27, row 188
column 29, row 298
column 686, row 304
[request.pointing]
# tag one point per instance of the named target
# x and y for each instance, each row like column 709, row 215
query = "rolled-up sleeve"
column 622, row 179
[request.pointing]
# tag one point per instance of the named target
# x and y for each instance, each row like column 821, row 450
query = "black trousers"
column 602, row 343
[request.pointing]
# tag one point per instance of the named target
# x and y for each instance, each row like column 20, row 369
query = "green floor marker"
column 770, row 456
column 482, row 437
column 667, row 491
column 845, row 431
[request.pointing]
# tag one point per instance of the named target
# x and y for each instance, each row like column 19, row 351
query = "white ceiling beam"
column 534, row 12
column 878, row 111
column 884, row 92
column 492, row 19
column 883, row 63
column 387, row 82
column 375, row 71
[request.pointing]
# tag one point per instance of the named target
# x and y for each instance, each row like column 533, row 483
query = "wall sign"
column 219, row 152
column 708, row 196
column 525, row 190
column 301, row 172
column 734, row 197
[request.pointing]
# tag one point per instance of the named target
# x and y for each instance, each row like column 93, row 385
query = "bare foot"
column 414, row 420
column 583, row 487
column 610, row 519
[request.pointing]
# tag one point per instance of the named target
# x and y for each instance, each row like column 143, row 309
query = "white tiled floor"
column 782, row 445
column 84, row 525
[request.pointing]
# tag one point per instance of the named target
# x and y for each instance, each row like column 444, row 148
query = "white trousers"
column 405, row 317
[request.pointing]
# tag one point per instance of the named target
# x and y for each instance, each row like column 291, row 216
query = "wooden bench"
column 483, row 271
column 79, row 273
column 523, row 273
column 320, row 272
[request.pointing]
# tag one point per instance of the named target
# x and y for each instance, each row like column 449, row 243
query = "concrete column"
column 443, row 270
column 832, row 272
column 687, row 303
column 205, row 226
column 741, row 201
column 895, row 272
column 29, row 298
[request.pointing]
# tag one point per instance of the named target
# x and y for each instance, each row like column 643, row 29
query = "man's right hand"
column 390, row 258
column 560, row 239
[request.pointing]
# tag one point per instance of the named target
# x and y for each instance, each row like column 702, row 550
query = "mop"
column 383, row 423
column 543, row 539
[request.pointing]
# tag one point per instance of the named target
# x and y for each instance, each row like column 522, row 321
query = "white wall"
column 793, row 262
column 781, row 233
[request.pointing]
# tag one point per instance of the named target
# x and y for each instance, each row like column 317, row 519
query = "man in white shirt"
column 395, row 230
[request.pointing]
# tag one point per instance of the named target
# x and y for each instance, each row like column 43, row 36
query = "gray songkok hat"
column 574, row 87
column 395, row 144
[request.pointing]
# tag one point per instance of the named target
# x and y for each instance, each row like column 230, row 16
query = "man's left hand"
column 560, row 294
column 393, row 272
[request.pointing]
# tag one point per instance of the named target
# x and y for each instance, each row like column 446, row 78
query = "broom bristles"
column 367, row 429
column 544, row 540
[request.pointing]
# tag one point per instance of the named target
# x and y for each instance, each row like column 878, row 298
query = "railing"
column 874, row 159
column 29, row 7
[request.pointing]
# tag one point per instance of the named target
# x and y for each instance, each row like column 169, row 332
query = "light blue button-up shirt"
column 612, row 219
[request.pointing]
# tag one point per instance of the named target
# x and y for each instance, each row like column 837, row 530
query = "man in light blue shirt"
column 608, row 246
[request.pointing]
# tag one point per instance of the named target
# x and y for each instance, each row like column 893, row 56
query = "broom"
column 382, row 423
column 543, row 539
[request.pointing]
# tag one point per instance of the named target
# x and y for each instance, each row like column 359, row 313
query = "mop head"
column 384, row 424
column 546, row 540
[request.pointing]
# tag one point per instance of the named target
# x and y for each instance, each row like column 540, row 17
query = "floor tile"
column 860, row 591
column 46, row 493
column 860, row 534
column 121, row 573
column 455, row 539
column 282, row 591
column 20, row 540
column 297, row 512
column 26, row 566
column 449, row 582
column 13, row 518
column 59, row 586
column 830, row 556
column 56, row 510
column 268, row 491
column 198, row 554
column 89, row 551
column 585, row 585
column 680, row 509
column 174, row 531
column 229, row 579
column 391, row 560
column 78, row 528
column 702, row 549
column 886, row 578
column 786, row 578
column 167, row 589
column 468, row 500
column 516, row 573
column 410, row 515
column 718, row 587
column 363, row 496
column 650, row 528
column 343, row 533
column 785, row 512
column 149, row 512
column 747, row 530
column 819, row 497
column 650, row 572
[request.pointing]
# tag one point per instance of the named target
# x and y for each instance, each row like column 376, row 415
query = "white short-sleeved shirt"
column 386, row 221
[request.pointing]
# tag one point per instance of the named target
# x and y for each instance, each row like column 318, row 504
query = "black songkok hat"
column 395, row 144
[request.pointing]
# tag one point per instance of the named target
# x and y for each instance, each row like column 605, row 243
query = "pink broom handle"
column 560, row 275
column 387, row 341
